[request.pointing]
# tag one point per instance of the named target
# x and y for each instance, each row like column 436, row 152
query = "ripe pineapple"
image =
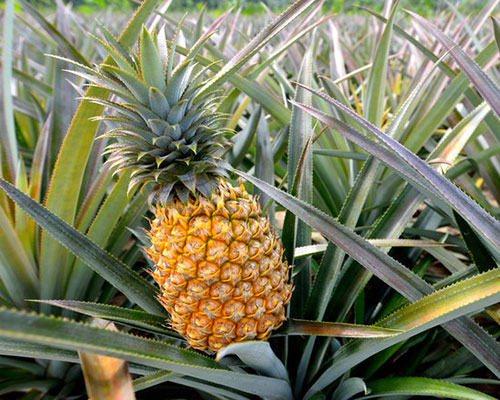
column 218, row 262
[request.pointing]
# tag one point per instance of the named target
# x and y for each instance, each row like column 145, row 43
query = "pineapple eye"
column 209, row 307
column 200, row 226
column 177, row 281
column 208, row 271
column 262, row 287
column 265, row 266
column 178, row 230
column 200, row 344
column 247, row 328
column 255, row 250
column 240, row 230
column 221, row 291
column 224, row 327
column 255, row 307
column 267, row 244
column 186, row 267
column 182, row 310
column 216, row 343
column 230, row 273
column 276, row 280
column 221, row 229
column 232, row 207
column 201, row 322
column 241, row 210
column 198, row 289
column 216, row 251
column 187, row 300
column 276, row 256
column 195, row 248
column 243, row 291
column 255, row 229
column 205, row 208
column 234, row 310
column 287, row 293
column 265, row 325
column 178, row 323
column 255, row 210
column 251, row 270
column 195, row 334
column 238, row 252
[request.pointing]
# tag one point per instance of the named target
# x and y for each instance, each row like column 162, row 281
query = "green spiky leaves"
column 161, row 126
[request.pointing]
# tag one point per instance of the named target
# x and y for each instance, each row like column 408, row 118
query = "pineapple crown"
column 165, row 125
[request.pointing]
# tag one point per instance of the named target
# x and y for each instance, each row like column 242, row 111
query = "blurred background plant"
column 424, row 7
column 382, row 65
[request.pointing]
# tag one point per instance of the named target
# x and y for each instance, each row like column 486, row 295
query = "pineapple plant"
column 431, row 316
column 217, row 260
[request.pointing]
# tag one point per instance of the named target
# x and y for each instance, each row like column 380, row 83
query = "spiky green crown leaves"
column 165, row 126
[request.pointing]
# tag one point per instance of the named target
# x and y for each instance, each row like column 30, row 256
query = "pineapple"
column 217, row 260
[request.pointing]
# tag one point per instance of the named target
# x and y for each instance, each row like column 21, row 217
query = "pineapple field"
column 297, row 204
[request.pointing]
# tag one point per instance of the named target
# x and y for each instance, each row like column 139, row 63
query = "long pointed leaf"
column 470, row 295
column 264, row 36
column 81, row 337
column 422, row 387
column 136, row 318
column 336, row 329
column 115, row 272
column 457, row 199
column 394, row 274
column 483, row 83
column 8, row 132
column 66, row 179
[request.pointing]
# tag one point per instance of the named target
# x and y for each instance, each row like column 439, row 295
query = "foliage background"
column 425, row 7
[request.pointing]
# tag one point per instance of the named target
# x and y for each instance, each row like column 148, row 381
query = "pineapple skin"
column 219, row 267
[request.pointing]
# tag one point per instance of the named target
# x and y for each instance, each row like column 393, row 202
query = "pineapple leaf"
column 479, row 253
column 127, row 316
column 171, row 57
column 99, row 232
column 349, row 388
column 337, row 329
column 8, row 133
column 115, row 44
column 17, row 348
column 17, row 271
column 259, row 41
column 66, row 180
column 375, row 92
column 467, row 296
column 63, row 44
column 300, row 174
column 496, row 30
column 259, row 356
column 159, row 376
column 422, row 387
column 482, row 82
column 391, row 271
column 115, row 272
column 457, row 199
column 150, row 62
column 243, row 139
column 70, row 335
column 251, row 88
column 159, row 103
column 136, row 86
column 117, row 57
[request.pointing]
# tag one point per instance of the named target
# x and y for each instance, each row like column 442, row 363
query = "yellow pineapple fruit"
column 218, row 264
column 217, row 261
